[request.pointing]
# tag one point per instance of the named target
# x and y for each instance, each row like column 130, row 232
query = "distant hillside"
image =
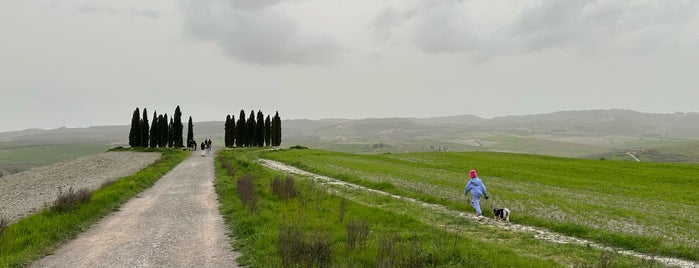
column 589, row 133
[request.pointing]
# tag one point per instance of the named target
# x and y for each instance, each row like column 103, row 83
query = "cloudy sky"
column 83, row 63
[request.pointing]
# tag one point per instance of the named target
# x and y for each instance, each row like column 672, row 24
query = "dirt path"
column 539, row 233
column 175, row 223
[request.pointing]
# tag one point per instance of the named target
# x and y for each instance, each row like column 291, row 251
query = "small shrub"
column 246, row 191
column 68, row 200
column 290, row 245
column 296, row 251
column 320, row 250
column 284, row 188
column 357, row 234
column 387, row 249
column 298, row 147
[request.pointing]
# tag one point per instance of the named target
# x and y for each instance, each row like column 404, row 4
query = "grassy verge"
column 280, row 220
column 39, row 234
column 621, row 204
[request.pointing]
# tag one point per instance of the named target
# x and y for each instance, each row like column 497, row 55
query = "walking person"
column 202, row 149
column 477, row 188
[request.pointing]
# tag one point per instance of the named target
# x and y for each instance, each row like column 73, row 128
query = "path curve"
column 175, row 223
column 539, row 233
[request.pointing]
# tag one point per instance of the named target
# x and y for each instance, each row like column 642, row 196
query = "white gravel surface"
column 24, row 193
column 175, row 223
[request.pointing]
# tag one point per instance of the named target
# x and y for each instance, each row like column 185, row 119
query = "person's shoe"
column 479, row 217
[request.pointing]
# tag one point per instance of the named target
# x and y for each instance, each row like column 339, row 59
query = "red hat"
column 472, row 173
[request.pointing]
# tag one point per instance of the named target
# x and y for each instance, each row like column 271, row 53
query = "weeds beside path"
column 539, row 233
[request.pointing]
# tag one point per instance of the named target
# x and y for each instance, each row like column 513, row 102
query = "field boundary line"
column 538, row 233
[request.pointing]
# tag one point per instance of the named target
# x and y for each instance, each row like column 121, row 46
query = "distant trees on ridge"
column 255, row 131
column 160, row 133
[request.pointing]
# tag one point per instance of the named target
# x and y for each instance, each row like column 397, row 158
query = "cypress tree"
column 251, row 129
column 144, row 129
column 166, row 131
column 268, row 131
column 276, row 130
column 171, row 136
column 190, row 131
column 162, row 131
column 233, row 130
column 260, row 129
column 135, row 132
column 240, row 130
column 227, row 131
column 154, row 131
column 178, row 128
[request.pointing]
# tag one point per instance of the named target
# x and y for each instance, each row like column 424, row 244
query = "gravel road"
column 175, row 223
column 24, row 193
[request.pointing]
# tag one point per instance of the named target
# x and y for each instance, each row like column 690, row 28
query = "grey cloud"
column 103, row 10
column 586, row 25
column 148, row 13
column 89, row 9
column 257, row 33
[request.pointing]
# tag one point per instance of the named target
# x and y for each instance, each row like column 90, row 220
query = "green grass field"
column 414, row 234
column 17, row 159
column 647, row 207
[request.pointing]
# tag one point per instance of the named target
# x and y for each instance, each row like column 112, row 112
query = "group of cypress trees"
column 253, row 132
column 160, row 133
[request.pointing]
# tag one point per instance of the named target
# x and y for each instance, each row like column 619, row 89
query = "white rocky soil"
column 25, row 193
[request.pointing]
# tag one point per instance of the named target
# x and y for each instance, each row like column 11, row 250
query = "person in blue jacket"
column 477, row 188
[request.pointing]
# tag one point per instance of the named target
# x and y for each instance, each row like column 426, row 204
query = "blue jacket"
column 476, row 187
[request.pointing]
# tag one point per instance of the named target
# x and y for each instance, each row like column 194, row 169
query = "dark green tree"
column 240, row 130
column 162, row 131
column 268, row 131
column 166, row 131
column 250, row 129
column 135, row 132
column 276, row 130
column 260, row 130
column 144, row 129
column 154, row 131
column 190, row 131
column 227, row 132
column 178, row 128
column 171, row 136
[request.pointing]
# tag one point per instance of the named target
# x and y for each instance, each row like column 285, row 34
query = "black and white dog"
column 501, row 214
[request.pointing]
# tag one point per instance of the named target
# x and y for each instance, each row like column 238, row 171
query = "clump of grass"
column 4, row 222
column 246, row 191
column 357, row 233
column 342, row 211
column 284, row 188
column 386, row 249
column 227, row 165
column 107, row 183
column 67, row 201
column 297, row 251
column 395, row 253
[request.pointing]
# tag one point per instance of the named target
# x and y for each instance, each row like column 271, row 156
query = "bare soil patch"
column 25, row 193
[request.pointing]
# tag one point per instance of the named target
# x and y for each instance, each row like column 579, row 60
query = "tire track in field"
column 539, row 233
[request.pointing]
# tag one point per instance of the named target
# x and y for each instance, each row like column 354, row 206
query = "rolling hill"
column 607, row 134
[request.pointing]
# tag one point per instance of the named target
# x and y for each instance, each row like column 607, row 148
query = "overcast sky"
column 92, row 62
